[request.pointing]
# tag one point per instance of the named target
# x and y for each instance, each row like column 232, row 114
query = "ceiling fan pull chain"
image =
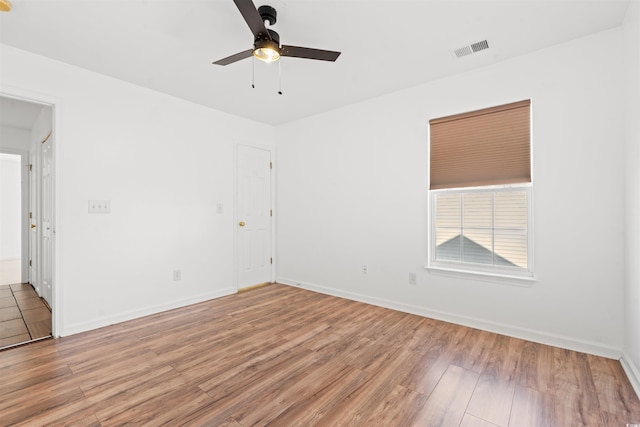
column 253, row 72
column 280, row 77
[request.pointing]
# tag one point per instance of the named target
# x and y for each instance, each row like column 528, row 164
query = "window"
column 480, row 191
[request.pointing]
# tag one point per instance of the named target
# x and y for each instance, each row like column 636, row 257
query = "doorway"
column 254, row 214
column 26, row 298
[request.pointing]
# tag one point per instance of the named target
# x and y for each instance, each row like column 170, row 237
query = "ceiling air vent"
column 472, row 48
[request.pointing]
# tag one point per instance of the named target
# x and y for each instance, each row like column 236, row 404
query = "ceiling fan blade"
column 234, row 58
column 309, row 53
column 252, row 17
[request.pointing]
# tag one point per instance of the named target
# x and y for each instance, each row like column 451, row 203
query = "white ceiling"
column 168, row 45
column 18, row 114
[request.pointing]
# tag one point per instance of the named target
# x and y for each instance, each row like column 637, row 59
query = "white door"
column 33, row 215
column 47, row 220
column 253, row 213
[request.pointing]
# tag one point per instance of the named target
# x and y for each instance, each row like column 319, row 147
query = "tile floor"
column 23, row 315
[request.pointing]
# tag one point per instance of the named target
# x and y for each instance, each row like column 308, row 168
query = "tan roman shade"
column 484, row 147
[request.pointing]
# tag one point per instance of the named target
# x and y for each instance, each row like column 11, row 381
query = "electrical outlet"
column 364, row 269
column 412, row 279
column 177, row 275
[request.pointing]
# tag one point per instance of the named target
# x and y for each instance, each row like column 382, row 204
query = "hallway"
column 23, row 315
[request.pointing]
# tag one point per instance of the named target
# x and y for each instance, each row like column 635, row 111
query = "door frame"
column 56, row 106
column 236, row 263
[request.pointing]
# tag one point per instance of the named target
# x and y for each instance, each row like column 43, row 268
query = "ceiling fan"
column 266, row 44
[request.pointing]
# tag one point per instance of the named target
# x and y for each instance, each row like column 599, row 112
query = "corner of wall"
column 632, row 372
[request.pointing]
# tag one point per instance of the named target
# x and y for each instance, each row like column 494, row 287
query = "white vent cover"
column 472, row 48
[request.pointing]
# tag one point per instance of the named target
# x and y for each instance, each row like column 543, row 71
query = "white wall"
column 10, row 206
column 14, row 139
column 163, row 162
column 17, row 141
column 632, row 291
column 352, row 190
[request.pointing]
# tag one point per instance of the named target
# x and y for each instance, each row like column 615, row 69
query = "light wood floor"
column 283, row 356
column 23, row 315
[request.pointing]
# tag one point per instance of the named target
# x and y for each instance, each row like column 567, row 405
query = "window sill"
column 525, row 281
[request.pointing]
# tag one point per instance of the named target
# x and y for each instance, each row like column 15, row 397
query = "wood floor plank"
column 242, row 377
column 95, row 380
column 205, row 367
column 44, row 407
column 19, row 358
column 577, row 401
column 399, row 408
column 311, row 410
column 16, row 339
column 13, row 380
column 446, row 405
column 613, row 389
column 75, row 414
column 78, row 343
column 427, row 372
column 536, row 367
column 471, row 421
column 503, row 360
column 303, row 384
column 232, row 396
column 492, row 400
column 284, row 356
column 577, row 407
column 160, row 410
column 371, row 393
column 532, row 408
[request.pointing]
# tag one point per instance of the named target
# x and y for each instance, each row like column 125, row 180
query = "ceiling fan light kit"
column 5, row 5
column 267, row 50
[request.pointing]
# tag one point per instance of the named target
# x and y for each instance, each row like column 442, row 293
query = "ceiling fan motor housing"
column 268, row 13
column 274, row 36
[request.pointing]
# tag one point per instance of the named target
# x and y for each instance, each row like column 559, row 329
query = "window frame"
column 468, row 268
column 493, row 274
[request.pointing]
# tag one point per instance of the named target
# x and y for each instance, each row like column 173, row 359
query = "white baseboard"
column 146, row 311
column 485, row 325
column 632, row 372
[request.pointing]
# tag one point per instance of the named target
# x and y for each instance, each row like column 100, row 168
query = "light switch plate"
column 100, row 206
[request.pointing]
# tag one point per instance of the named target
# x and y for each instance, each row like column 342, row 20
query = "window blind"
column 491, row 146
column 482, row 227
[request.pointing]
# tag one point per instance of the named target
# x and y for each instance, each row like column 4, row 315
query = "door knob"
column 241, row 224
column 33, row 226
